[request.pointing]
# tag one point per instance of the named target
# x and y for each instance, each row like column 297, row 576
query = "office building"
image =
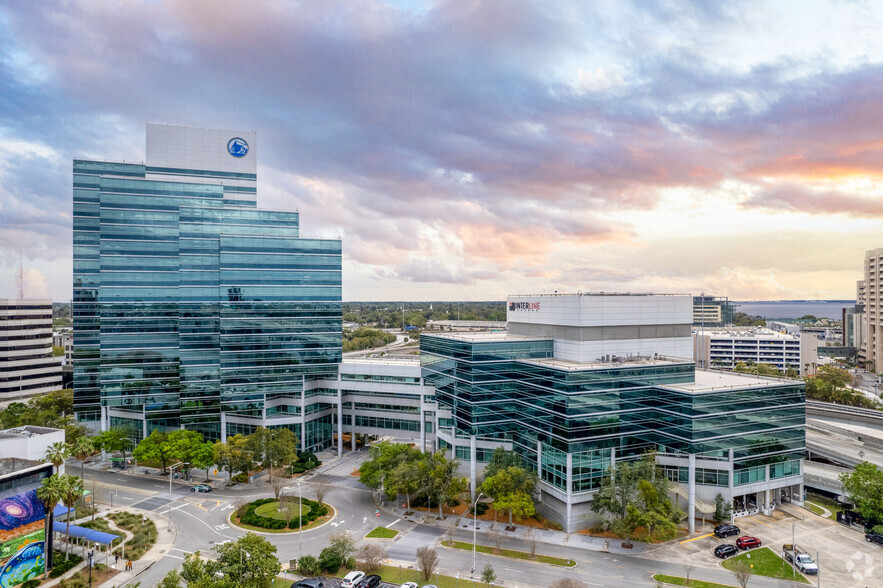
column 870, row 293
column 192, row 307
column 583, row 382
column 27, row 367
column 724, row 348
column 860, row 333
column 712, row 311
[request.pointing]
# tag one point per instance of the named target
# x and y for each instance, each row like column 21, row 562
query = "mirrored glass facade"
column 189, row 300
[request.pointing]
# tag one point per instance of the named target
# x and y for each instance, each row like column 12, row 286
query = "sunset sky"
column 470, row 149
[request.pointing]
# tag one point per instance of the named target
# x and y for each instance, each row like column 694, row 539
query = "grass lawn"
column 678, row 581
column 828, row 503
column 558, row 561
column 271, row 510
column 320, row 521
column 766, row 563
column 395, row 575
column 813, row 508
column 382, row 533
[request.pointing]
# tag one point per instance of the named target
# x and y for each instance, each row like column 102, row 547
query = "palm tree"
column 72, row 490
column 57, row 453
column 50, row 494
column 83, row 448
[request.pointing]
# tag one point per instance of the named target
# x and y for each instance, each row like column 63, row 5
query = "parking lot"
column 845, row 558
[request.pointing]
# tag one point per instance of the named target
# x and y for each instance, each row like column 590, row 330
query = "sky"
column 468, row 149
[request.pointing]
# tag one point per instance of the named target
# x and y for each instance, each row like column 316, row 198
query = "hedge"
column 251, row 518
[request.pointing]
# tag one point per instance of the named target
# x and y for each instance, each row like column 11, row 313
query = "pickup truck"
column 802, row 560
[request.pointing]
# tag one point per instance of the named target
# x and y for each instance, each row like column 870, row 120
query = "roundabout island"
column 268, row 515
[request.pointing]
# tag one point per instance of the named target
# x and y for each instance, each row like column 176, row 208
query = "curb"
column 290, row 532
column 500, row 555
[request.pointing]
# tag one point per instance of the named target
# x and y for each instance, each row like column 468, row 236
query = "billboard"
column 22, row 549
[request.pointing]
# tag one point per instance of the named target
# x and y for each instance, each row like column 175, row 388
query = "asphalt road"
column 201, row 522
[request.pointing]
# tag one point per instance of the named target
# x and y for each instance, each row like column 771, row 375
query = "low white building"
column 29, row 442
column 723, row 348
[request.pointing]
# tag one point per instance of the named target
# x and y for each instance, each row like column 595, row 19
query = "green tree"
column 171, row 580
column 83, row 448
column 241, row 454
column 836, row 376
column 343, row 543
column 383, row 458
column 406, row 477
column 442, row 481
column 119, row 439
column 190, row 448
column 511, row 490
column 250, row 559
column 50, row 493
column 619, row 488
column 155, row 447
column 273, row 447
column 72, row 490
column 502, row 459
column 655, row 512
column 56, row 453
column 723, row 509
column 864, row 485
column 330, row 560
column 488, row 574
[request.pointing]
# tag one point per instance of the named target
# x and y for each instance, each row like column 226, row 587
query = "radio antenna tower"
column 21, row 275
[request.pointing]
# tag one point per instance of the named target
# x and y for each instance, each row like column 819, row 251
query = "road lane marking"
column 181, row 550
column 175, row 556
column 761, row 522
column 392, row 523
column 695, row 538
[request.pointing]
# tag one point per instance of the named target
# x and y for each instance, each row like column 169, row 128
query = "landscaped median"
column 268, row 515
column 692, row 583
column 764, row 562
column 382, row 533
column 511, row 553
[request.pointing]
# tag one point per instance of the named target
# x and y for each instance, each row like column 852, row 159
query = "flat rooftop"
column 26, row 431
column 593, row 294
column 634, row 361
column 397, row 360
column 485, row 336
column 745, row 333
column 707, row 380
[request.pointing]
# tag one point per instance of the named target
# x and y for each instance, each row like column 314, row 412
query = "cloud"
column 34, row 284
column 810, row 199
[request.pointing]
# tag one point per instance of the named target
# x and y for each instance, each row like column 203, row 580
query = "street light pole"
column 300, row 521
column 475, row 528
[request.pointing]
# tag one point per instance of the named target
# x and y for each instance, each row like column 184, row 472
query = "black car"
column 874, row 538
column 726, row 550
column 372, row 581
column 726, row 530
column 309, row 584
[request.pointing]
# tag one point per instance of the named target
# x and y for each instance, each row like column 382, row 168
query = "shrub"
column 32, row 583
column 241, row 477
column 330, row 560
column 308, row 565
column 63, row 565
column 481, row 508
column 350, row 563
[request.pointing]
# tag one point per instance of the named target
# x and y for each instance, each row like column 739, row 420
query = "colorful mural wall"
column 22, row 553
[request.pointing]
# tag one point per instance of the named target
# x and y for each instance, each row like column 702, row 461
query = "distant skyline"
column 467, row 150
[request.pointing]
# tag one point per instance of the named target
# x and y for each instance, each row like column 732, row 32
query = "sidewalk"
column 164, row 541
column 520, row 532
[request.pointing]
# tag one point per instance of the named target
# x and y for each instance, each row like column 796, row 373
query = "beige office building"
column 27, row 367
column 869, row 292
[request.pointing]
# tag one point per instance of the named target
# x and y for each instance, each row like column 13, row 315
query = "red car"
column 747, row 542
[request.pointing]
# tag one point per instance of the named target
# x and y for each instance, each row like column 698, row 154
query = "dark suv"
column 726, row 550
column 874, row 538
column 317, row 583
column 726, row 530
column 372, row 581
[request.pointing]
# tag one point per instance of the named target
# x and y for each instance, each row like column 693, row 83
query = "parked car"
column 430, row 586
column 725, row 550
column 747, row 542
column 201, row 488
column 726, row 530
column 317, row 583
column 352, row 579
column 372, row 581
column 874, row 538
column 410, row 585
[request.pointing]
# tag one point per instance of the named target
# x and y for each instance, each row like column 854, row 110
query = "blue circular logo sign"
column 237, row 147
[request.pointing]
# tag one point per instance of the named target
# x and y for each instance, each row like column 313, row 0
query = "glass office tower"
column 192, row 307
column 587, row 386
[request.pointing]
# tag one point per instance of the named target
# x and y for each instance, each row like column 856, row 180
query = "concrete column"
column 223, row 427
column 767, row 495
column 539, row 459
column 613, row 459
column 422, row 428
column 339, row 418
column 435, row 436
column 303, row 431
column 730, row 483
column 691, row 496
column 353, row 423
column 144, row 428
column 104, row 419
column 568, row 526
column 473, row 454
